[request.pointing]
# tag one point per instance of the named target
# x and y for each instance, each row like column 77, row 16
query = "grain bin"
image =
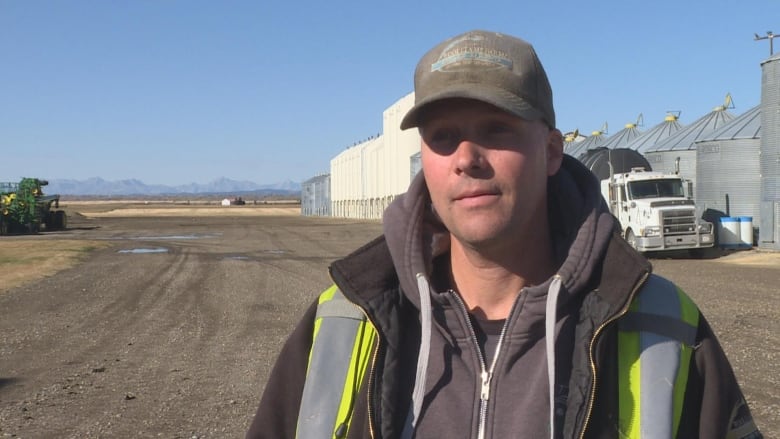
column 678, row 152
column 727, row 167
column 769, row 228
column 656, row 134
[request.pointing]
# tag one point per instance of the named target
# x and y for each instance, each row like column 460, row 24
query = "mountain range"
column 97, row 186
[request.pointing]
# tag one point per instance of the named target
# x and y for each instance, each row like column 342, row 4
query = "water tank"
column 729, row 232
column 746, row 231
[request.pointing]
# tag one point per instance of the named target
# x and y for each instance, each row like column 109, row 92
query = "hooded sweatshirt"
column 459, row 391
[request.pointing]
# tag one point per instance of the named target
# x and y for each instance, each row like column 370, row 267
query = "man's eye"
column 441, row 140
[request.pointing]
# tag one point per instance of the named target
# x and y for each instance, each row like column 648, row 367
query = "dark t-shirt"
column 488, row 333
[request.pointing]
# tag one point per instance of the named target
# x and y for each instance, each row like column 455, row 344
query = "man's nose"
column 468, row 156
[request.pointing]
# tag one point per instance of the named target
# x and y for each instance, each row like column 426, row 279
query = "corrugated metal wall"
column 415, row 164
column 727, row 177
column 315, row 196
column 666, row 161
column 770, row 153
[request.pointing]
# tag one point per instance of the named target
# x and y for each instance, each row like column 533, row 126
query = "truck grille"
column 678, row 222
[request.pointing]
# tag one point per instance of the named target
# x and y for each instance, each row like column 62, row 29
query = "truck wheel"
column 631, row 238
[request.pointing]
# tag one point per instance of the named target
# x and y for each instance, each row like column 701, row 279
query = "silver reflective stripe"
column 659, row 361
column 661, row 325
column 339, row 306
column 331, row 357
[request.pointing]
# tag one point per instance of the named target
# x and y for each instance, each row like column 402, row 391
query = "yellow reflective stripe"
column 689, row 313
column 629, row 381
column 361, row 353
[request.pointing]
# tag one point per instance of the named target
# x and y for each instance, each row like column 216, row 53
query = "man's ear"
column 554, row 151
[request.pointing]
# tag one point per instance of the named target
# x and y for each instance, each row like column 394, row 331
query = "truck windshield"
column 670, row 187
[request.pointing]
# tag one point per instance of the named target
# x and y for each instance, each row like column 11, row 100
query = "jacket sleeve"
column 277, row 415
column 714, row 405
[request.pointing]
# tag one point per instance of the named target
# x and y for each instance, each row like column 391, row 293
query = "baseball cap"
column 494, row 68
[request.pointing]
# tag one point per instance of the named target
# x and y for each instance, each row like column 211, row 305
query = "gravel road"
column 172, row 330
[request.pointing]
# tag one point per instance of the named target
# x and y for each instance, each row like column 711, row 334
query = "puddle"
column 165, row 237
column 144, row 250
column 237, row 258
column 193, row 236
column 276, row 252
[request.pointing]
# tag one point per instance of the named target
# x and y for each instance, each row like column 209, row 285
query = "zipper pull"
column 485, row 394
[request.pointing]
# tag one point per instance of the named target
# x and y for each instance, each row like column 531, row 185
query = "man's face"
column 487, row 171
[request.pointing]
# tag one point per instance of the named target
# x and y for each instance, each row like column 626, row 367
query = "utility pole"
column 769, row 36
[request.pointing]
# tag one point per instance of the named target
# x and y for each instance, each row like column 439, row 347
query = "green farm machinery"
column 25, row 209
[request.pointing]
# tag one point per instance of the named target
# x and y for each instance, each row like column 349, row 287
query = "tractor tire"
column 50, row 221
column 60, row 220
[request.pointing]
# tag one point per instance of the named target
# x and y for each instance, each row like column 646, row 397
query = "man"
column 500, row 301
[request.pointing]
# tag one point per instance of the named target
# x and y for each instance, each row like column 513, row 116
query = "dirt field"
column 168, row 325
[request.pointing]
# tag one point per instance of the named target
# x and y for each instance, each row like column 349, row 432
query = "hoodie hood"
column 580, row 225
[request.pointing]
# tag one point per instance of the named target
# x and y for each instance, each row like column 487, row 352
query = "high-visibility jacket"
column 655, row 343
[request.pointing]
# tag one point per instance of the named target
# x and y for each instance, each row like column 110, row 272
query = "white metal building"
column 367, row 177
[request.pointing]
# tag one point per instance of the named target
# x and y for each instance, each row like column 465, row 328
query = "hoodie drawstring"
column 550, row 319
column 422, row 357
column 425, row 346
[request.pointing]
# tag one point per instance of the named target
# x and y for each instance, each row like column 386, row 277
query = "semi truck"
column 655, row 211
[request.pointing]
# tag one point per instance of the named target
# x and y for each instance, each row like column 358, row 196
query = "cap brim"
column 497, row 97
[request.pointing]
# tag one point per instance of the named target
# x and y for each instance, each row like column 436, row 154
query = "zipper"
column 486, row 376
column 370, row 383
column 596, row 334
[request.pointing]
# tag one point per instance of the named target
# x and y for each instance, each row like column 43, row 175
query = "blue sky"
column 174, row 92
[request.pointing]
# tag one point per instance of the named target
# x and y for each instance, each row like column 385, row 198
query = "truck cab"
column 654, row 211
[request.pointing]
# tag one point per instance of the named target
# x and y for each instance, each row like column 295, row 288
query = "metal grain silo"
column 595, row 140
column 727, row 169
column 571, row 139
column 656, row 134
column 769, row 228
column 677, row 153
column 624, row 136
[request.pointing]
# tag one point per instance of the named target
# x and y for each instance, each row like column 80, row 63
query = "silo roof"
column 685, row 138
column 746, row 126
column 571, row 140
column 591, row 142
column 622, row 137
column 774, row 57
column 656, row 134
